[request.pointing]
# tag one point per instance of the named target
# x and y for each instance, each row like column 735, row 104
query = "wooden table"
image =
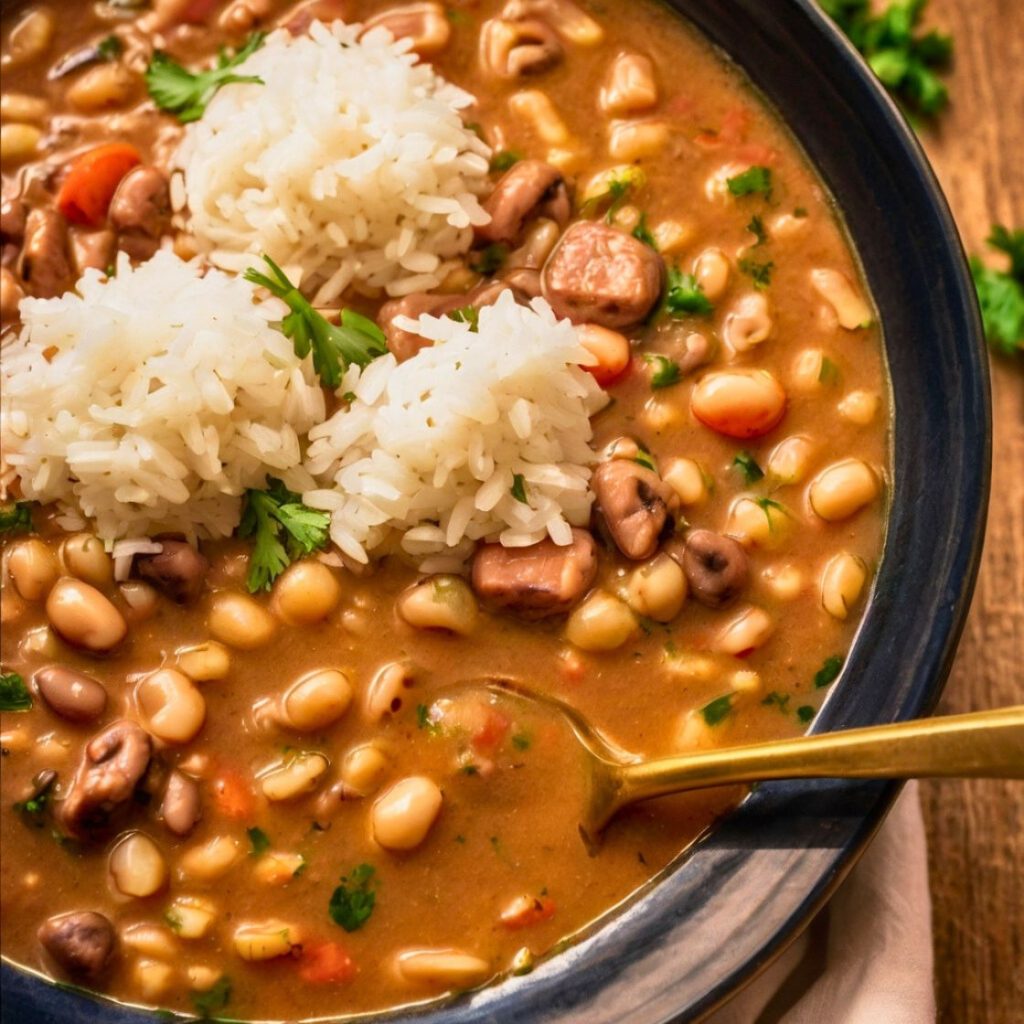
column 976, row 829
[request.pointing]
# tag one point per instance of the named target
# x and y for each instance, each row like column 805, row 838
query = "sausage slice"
column 528, row 188
column 81, row 943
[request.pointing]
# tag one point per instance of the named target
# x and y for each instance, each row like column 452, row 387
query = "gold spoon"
column 983, row 744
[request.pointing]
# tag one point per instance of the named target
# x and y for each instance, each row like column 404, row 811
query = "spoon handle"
column 983, row 744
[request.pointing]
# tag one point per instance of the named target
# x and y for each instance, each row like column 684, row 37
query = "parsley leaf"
column 424, row 721
column 521, row 741
column 686, row 295
column 504, row 159
column 33, row 809
column 259, row 840
column 213, row 999
column 805, row 713
column 748, row 467
column 829, row 372
column 357, row 340
column 14, row 695
column 761, row 272
column 715, row 712
column 776, row 699
column 615, row 190
column 646, row 459
column 490, row 259
column 666, row 372
column 642, row 233
column 352, row 902
column 187, row 93
column 1001, row 293
column 518, row 489
column 829, row 671
column 467, row 315
column 756, row 180
column 756, row 228
column 768, row 506
column 109, row 48
column 264, row 515
column 16, row 518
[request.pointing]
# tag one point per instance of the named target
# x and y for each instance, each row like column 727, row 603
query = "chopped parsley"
column 617, row 189
column 467, row 315
column 357, row 340
column 904, row 59
column 352, row 902
column 768, row 506
column 666, row 372
column 1001, row 292
column 778, row 700
column 805, row 713
column 716, row 711
column 264, row 515
column 14, row 695
column 258, row 840
column 518, row 489
column 16, row 518
column 504, row 159
column 754, row 180
column 686, row 295
column 186, row 93
column 33, row 809
column 748, row 467
column 424, row 721
column 521, row 741
column 756, row 228
column 109, row 48
column 490, row 259
column 759, row 270
column 642, row 233
column 214, row 999
column 829, row 671
column 829, row 372
column 470, row 769
column 646, row 459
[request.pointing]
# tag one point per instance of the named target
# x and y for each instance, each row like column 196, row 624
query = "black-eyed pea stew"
column 255, row 804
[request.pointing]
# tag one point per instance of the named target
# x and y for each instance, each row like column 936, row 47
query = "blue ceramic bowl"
column 730, row 904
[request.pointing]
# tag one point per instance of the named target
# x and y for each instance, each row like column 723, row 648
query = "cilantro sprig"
column 756, row 180
column 665, row 372
column 685, row 294
column 16, row 518
column 264, row 515
column 357, row 340
column 186, row 93
column 1001, row 292
column 353, row 901
column 14, row 694
column 213, row 1000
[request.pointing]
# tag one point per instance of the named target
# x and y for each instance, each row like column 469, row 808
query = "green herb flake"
column 258, row 840
column 460, row 839
column 759, row 271
column 777, row 700
column 768, row 506
column 214, row 999
column 173, row 919
column 642, row 233
column 805, row 713
column 16, row 518
column 754, row 180
column 469, row 769
column 14, row 694
column 646, row 459
column 829, row 372
column 521, row 741
column 617, row 189
column 666, row 372
column 1001, row 292
column 756, row 228
column 352, row 902
column 110, row 48
column 490, row 259
column 503, row 159
column 685, row 295
column 265, row 514
column 800, row 212
column 829, row 672
column 715, row 712
column 186, row 93
column 671, row 651
column 518, row 489
column 34, row 808
column 467, row 315
column 748, row 467
column 356, row 341
column 424, row 721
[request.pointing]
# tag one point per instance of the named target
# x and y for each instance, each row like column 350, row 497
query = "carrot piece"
column 491, row 732
column 528, row 910
column 326, row 962
column 85, row 196
column 233, row 795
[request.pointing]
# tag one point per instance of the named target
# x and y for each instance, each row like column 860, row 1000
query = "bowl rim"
column 805, row 836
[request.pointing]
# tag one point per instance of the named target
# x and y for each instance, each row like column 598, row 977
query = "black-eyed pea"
column 843, row 489
column 810, row 371
column 73, row 695
column 18, row 143
column 712, row 269
column 672, row 236
column 601, row 623
column 142, row 600
column 171, row 706
column 687, row 479
column 748, row 629
column 137, row 866
column 790, row 460
column 787, row 225
column 658, row 589
column 239, row 621
column 205, row 662
column 278, row 868
column 363, row 768
column 152, row 978
column 266, row 940
column 746, row 680
column 15, row 741
column 84, row 617
column 786, row 582
column 33, row 569
column 387, row 691
column 12, row 606
column 536, row 109
column 404, row 813
column 208, row 861
column 758, row 522
column 296, row 777
column 442, row 968
column 19, row 106
column 105, row 87
column 440, row 602
column 426, row 24
column 610, row 348
column 150, row 939
column 31, row 36
column 661, row 414
column 631, row 86
column 739, row 403
column 693, row 732
column 316, row 701
column 40, row 642
column 306, row 593
column 630, row 141
column 859, row 407
column 84, row 556
column 511, row 49
column 202, row 977
column 842, row 582
column 191, row 917
column 748, row 323
column 835, row 288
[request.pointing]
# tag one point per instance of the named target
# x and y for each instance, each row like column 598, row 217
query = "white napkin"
column 867, row 957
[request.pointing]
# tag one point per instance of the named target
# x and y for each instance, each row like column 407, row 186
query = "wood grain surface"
column 976, row 829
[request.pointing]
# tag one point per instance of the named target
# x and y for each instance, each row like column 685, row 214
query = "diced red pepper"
column 233, row 795
column 491, row 732
column 326, row 963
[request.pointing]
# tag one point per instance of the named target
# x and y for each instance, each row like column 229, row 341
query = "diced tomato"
column 326, row 963
column 233, row 795
column 570, row 666
column 85, row 196
column 491, row 731
column 525, row 911
column 756, row 153
column 735, row 126
column 611, row 350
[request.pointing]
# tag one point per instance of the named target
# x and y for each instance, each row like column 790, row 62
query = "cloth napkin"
column 867, row 957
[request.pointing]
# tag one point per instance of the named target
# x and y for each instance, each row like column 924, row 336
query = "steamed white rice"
column 150, row 401
column 430, row 448
column 351, row 163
